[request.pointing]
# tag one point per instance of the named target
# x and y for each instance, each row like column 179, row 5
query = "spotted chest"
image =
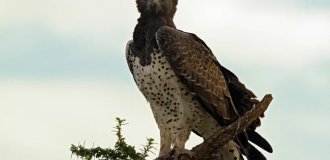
column 172, row 104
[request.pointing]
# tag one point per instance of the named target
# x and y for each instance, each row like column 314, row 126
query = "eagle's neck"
column 144, row 41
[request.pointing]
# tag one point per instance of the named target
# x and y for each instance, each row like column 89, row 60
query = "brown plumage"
column 188, row 90
column 195, row 64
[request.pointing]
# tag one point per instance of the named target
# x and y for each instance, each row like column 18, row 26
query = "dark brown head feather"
column 157, row 7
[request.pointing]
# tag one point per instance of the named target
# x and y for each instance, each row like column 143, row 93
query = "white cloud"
column 259, row 33
column 100, row 22
column 278, row 33
column 69, row 16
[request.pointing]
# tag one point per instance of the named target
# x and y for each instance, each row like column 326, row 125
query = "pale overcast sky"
column 64, row 78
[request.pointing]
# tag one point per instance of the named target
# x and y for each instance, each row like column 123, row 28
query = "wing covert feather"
column 198, row 69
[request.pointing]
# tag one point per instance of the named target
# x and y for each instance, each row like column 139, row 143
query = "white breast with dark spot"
column 173, row 106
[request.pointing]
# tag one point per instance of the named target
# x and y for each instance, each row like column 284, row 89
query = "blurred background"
column 64, row 78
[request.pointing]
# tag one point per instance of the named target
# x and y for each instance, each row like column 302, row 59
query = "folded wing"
column 218, row 89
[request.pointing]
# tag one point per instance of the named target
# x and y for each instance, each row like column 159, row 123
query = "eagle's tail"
column 244, row 100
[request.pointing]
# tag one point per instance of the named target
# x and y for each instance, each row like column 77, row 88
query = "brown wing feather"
column 213, row 84
column 198, row 68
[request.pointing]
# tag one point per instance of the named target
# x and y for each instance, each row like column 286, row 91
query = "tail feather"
column 255, row 154
column 244, row 100
column 257, row 139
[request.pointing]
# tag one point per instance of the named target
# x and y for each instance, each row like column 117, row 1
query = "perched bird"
column 187, row 88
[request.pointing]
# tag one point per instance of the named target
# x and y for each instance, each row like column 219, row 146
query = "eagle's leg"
column 165, row 142
column 181, row 139
column 179, row 145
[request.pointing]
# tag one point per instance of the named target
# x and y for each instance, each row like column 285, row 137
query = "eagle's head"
column 157, row 7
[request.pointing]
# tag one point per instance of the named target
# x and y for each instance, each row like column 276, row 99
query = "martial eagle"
column 187, row 88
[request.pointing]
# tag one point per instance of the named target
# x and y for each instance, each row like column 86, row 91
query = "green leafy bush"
column 121, row 150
